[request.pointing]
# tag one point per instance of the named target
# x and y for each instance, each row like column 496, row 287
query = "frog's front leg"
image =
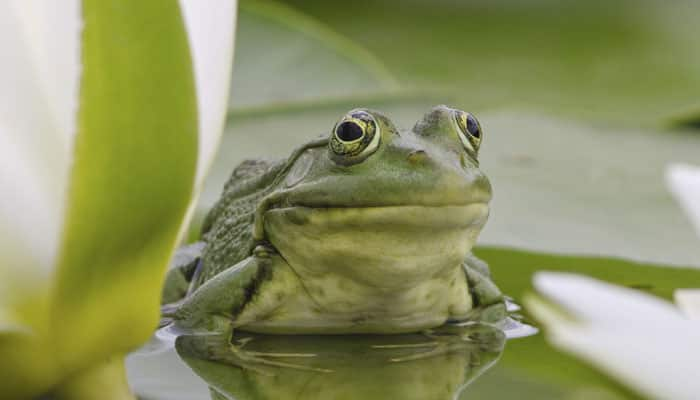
column 489, row 302
column 214, row 306
column 182, row 269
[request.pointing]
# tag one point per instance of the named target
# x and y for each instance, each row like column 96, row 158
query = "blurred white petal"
column 586, row 298
column 688, row 301
column 38, row 102
column 636, row 338
column 210, row 28
column 684, row 182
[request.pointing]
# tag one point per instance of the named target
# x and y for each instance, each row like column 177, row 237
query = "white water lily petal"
column 210, row 28
column 684, row 182
column 584, row 297
column 52, row 32
column 642, row 341
column 688, row 301
column 38, row 101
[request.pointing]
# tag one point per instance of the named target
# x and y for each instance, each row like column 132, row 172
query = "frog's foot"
column 489, row 302
column 434, row 349
column 439, row 341
column 183, row 268
column 254, row 360
column 242, row 342
column 451, row 338
column 218, row 348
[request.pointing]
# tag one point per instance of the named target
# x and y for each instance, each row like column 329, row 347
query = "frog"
column 367, row 229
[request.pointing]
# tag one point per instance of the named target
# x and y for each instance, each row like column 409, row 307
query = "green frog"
column 365, row 230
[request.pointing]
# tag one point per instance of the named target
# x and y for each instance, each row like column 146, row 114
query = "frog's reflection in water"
column 438, row 364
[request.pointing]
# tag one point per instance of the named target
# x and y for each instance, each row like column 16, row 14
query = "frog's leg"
column 179, row 275
column 214, row 305
column 218, row 348
column 489, row 302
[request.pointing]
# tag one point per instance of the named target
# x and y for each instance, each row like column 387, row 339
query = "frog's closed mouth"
column 366, row 230
column 395, row 216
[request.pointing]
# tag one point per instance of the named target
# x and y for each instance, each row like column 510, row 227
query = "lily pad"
column 283, row 56
column 627, row 62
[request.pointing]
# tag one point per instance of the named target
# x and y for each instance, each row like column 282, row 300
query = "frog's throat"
column 390, row 247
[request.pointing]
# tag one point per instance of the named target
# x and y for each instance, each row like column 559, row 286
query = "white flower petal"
column 210, row 27
column 660, row 361
column 52, row 30
column 38, row 100
column 688, row 301
column 642, row 341
column 598, row 302
column 684, row 182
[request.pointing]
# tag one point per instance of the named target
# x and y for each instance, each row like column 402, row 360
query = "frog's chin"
column 388, row 245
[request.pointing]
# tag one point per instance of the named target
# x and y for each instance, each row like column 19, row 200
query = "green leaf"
column 626, row 62
column 283, row 57
column 132, row 178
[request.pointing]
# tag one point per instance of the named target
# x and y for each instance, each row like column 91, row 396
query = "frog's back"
column 227, row 228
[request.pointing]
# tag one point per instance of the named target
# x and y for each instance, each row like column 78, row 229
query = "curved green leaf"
column 628, row 62
column 132, row 178
column 283, row 57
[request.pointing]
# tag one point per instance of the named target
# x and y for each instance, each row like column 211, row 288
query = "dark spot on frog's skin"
column 279, row 296
column 263, row 274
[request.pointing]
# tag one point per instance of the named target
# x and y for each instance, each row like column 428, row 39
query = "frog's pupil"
column 348, row 131
column 473, row 126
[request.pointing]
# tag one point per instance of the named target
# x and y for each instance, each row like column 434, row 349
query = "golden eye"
column 355, row 135
column 470, row 130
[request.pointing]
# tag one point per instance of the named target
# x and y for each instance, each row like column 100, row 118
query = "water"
column 440, row 364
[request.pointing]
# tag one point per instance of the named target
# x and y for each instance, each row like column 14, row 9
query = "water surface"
column 438, row 364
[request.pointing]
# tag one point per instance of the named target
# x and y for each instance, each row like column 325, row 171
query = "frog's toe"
column 257, row 360
column 492, row 313
column 489, row 303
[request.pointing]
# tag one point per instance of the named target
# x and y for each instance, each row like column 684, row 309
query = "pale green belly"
column 286, row 306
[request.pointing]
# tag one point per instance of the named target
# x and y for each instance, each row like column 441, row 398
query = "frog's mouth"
column 444, row 216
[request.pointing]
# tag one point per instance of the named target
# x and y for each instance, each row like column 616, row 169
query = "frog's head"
column 382, row 203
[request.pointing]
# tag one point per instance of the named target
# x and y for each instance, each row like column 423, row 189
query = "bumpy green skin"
column 330, row 243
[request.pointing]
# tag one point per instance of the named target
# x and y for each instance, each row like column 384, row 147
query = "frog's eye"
column 355, row 136
column 470, row 130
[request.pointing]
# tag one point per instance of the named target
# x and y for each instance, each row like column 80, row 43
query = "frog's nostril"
column 417, row 156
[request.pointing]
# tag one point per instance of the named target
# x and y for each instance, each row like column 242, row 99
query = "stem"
column 103, row 381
